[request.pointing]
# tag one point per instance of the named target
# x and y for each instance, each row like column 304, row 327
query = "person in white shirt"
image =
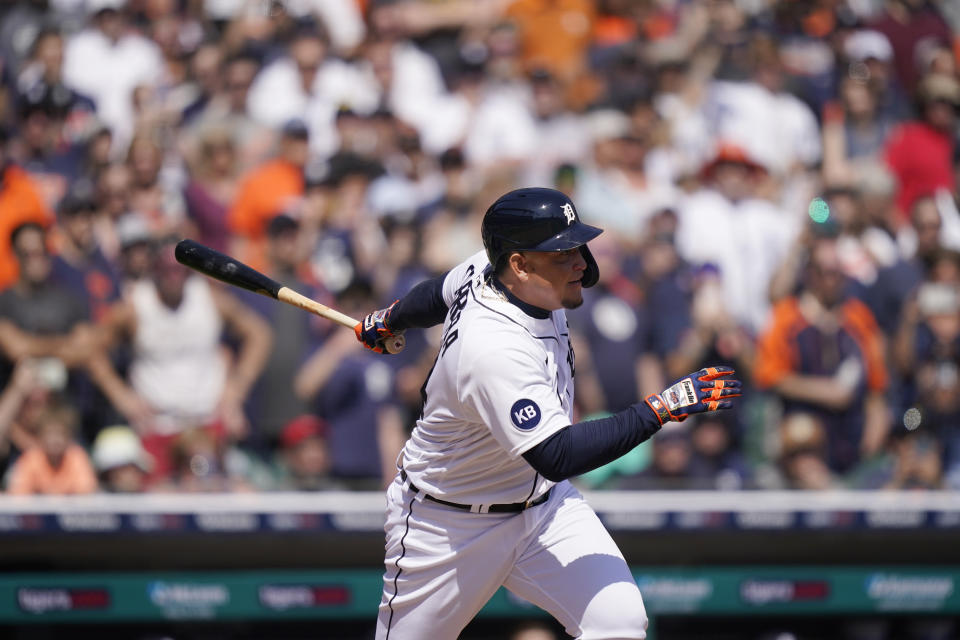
column 106, row 62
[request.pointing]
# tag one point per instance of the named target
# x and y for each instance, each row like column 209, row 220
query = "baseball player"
column 482, row 498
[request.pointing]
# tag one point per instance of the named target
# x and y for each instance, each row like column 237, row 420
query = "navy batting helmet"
column 537, row 219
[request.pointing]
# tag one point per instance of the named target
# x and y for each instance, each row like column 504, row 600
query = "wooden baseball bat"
column 226, row 269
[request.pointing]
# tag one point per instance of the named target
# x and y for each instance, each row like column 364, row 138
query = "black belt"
column 512, row 507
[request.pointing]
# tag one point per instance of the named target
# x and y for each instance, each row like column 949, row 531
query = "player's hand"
column 709, row 389
column 374, row 330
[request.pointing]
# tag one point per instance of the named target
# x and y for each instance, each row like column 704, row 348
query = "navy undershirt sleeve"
column 422, row 307
column 585, row 446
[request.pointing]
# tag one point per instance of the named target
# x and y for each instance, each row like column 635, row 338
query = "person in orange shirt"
column 20, row 202
column 823, row 354
column 273, row 188
column 57, row 465
column 554, row 33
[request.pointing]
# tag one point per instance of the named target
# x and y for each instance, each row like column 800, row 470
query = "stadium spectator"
column 107, row 61
column 920, row 153
column 716, row 453
column 620, row 193
column 42, row 75
column 79, row 265
column 20, row 202
column 305, row 462
column 308, row 83
column 213, row 187
column 57, row 465
column 918, row 463
column 274, row 187
column 854, row 130
column 824, row 354
column 199, row 464
column 53, row 161
column 869, row 57
column 23, row 399
column 911, row 25
column 227, row 109
column 351, row 391
column 896, row 282
column 297, row 335
column 449, row 227
column 122, row 465
column 926, row 351
column 177, row 378
column 153, row 194
column 803, row 454
column 671, row 464
column 42, row 319
column 728, row 223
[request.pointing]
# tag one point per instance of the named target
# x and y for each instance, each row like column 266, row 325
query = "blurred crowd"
column 777, row 180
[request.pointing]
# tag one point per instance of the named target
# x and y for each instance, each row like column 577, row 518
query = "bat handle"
column 394, row 344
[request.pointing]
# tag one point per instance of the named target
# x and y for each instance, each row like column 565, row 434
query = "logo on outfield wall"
column 188, row 600
column 46, row 600
column 893, row 591
column 673, row 595
column 761, row 592
column 281, row 597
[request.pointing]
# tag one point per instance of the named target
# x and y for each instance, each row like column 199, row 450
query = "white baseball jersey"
column 502, row 383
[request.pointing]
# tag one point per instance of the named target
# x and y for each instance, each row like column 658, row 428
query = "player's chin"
column 573, row 297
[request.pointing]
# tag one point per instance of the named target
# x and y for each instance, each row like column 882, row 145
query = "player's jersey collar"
column 529, row 309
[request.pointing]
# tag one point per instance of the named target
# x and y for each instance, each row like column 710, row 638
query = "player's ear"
column 517, row 264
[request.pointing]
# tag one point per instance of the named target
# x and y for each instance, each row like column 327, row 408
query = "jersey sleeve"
column 510, row 390
column 471, row 267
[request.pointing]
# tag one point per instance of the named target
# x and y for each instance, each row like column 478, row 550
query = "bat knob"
column 395, row 344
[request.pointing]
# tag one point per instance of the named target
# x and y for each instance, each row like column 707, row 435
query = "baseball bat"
column 226, row 269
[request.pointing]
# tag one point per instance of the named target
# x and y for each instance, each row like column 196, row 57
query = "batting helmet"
column 537, row 219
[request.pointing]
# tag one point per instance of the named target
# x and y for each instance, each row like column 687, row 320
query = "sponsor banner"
column 355, row 593
column 282, row 597
column 675, row 594
column 761, row 592
column 38, row 601
column 909, row 591
column 188, row 600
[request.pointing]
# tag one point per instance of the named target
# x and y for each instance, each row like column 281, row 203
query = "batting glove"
column 709, row 389
column 374, row 330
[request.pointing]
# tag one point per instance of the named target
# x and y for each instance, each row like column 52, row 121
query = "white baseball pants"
column 443, row 564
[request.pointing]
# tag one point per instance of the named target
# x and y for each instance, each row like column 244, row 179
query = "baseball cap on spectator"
column 132, row 229
column 732, row 153
column 301, row 428
column 281, row 224
column 295, row 128
column 79, row 199
column 868, row 44
column 607, row 124
column 118, row 446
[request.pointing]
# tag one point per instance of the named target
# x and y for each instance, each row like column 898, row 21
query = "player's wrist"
column 655, row 404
